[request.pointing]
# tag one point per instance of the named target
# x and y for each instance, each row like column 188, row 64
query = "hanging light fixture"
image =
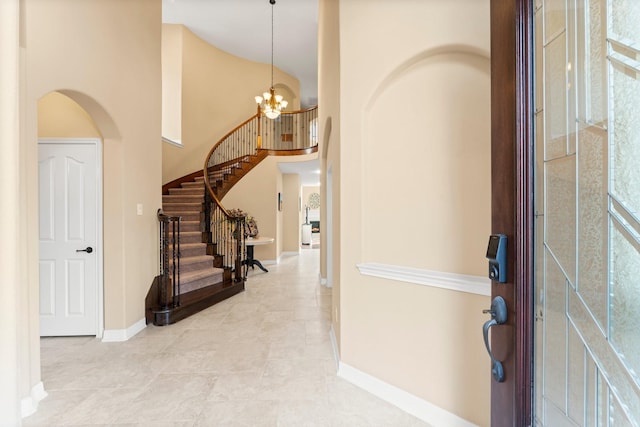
column 271, row 104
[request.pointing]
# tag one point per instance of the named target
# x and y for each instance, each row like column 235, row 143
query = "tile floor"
column 261, row 358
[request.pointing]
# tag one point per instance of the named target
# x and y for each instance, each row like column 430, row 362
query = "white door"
column 588, row 213
column 69, row 244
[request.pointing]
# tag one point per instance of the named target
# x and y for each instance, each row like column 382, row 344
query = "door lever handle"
column 498, row 313
column 88, row 250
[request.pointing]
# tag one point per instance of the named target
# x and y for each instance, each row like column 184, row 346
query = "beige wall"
column 307, row 190
column 15, row 356
column 61, row 117
column 172, row 82
column 106, row 57
column 217, row 94
column 415, row 130
column 257, row 194
column 291, row 213
column 329, row 149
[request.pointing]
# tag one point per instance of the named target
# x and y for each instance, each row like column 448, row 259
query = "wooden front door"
column 512, row 205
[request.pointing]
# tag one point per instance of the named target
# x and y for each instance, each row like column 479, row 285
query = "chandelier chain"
column 271, row 104
column 272, row 4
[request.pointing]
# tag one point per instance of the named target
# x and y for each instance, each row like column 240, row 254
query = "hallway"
column 261, row 358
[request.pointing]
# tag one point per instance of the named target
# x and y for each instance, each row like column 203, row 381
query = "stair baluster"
column 169, row 260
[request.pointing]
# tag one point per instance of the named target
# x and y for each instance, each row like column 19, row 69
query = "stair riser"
column 187, row 216
column 194, row 251
column 191, row 185
column 190, row 226
column 186, row 191
column 196, row 266
column 186, row 198
column 190, row 237
column 180, row 208
column 200, row 283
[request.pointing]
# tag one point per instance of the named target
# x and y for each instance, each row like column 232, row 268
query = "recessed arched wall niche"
column 69, row 113
column 426, row 168
column 61, row 117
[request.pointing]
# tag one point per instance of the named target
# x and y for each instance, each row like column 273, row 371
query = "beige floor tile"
column 261, row 358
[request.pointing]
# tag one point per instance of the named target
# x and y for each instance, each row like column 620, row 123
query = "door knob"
column 498, row 313
column 88, row 250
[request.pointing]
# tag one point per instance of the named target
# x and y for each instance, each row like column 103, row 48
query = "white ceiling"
column 309, row 171
column 243, row 28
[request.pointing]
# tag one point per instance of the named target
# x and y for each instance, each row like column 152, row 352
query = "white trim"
column 117, row 335
column 452, row 281
column 419, row 408
column 29, row 405
column 324, row 281
column 176, row 142
column 334, row 346
column 100, row 266
column 289, row 253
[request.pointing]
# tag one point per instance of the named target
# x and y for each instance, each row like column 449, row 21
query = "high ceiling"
column 243, row 28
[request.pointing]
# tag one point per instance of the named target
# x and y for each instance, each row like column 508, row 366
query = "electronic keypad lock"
column 497, row 256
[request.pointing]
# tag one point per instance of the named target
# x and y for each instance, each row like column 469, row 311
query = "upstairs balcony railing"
column 233, row 156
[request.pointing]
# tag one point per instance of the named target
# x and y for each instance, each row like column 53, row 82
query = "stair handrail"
column 258, row 138
column 257, row 133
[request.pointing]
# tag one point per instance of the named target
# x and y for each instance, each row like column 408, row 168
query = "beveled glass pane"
column 576, row 377
column 555, row 17
column 555, row 417
column 555, row 334
column 539, row 311
column 555, row 107
column 617, row 417
column 626, row 139
column 539, row 162
column 572, row 67
column 625, row 300
column 596, row 63
column 603, row 401
column 591, row 392
column 592, row 221
column 560, row 214
column 625, row 19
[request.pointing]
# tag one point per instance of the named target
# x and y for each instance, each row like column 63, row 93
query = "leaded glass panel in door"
column 587, row 106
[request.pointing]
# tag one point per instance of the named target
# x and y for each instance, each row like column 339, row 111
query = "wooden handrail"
column 271, row 151
column 239, row 150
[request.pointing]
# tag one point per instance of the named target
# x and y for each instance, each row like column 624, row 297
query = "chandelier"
column 270, row 104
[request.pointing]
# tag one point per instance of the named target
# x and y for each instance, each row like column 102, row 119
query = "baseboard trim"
column 334, row 346
column 29, row 405
column 289, row 253
column 118, row 335
column 456, row 282
column 419, row 408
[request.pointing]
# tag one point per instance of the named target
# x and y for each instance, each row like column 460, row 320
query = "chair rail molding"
column 456, row 282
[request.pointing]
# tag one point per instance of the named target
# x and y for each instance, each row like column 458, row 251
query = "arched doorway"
column 70, row 219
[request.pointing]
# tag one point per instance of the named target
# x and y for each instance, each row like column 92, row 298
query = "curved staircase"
column 202, row 252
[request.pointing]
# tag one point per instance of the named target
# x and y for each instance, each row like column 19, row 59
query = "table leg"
column 250, row 262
